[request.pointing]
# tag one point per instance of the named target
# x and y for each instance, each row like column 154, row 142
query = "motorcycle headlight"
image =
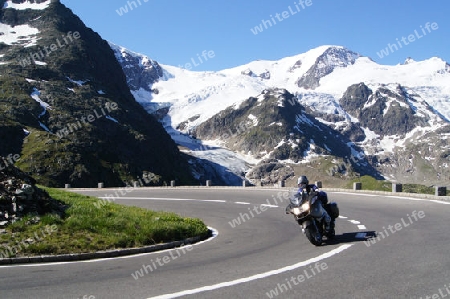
column 296, row 211
column 305, row 206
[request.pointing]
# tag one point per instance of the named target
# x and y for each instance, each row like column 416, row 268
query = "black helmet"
column 302, row 180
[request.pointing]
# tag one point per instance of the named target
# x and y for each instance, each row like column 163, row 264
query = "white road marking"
column 256, row 276
column 399, row 197
column 214, row 200
column 161, row 198
column 359, row 194
column 408, row 198
column 360, row 226
column 242, row 203
column 270, row 206
column 441, row 202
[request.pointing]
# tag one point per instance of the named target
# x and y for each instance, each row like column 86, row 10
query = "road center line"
column 269, row 206
column 256, row 276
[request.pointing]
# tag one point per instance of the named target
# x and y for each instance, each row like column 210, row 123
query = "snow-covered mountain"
column 386, row 111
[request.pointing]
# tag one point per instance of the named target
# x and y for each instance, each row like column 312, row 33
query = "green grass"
column 370, row 183
column 416, row 188
column 89, row 227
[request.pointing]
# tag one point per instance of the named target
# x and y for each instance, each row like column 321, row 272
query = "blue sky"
column 177, row 32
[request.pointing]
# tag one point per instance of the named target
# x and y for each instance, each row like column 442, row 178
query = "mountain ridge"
column 60, row 81
column 405, row 99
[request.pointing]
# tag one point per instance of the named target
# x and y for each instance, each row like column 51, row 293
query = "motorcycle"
column 308, row 212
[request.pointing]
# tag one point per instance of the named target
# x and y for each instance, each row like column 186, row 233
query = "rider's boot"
column 328, row 223
column 331, row 231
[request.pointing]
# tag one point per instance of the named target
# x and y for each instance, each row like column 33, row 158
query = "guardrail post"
column 440, row 191
column 67, row 186
column 208, row 183
column 397, row 188
column 357, row 186
column 244, row 183
column 172, row 183
column 101, row 185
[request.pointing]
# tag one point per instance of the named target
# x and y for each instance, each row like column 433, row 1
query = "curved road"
column 265, row 256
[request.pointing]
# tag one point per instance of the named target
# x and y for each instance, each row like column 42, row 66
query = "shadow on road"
column 351, row 237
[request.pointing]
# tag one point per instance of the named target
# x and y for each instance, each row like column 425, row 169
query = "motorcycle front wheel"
column 313, row 235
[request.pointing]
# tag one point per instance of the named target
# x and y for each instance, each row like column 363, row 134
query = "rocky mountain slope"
column 387, row 121
column 66, row 109
column 277, row 130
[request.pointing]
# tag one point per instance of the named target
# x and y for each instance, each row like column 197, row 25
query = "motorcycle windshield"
column 295, row 197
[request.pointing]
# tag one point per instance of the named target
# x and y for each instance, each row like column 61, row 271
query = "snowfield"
column 27, row 5
column 207, row 93
column 194, row 97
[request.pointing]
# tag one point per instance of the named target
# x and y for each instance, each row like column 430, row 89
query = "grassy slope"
column 370, row 183
column 91, row 225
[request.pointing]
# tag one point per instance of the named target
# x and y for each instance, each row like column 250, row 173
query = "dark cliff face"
column 325, row 64
column 412, row 152
column 384, row 112
column 140, row 72
column 257, row 125
column 78, row 121
column 275, row 124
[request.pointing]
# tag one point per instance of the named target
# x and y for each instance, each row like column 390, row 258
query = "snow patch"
column 18, row 35
column 77, row 82
column 35, row 95
column 254, row 119
column 142, row 96
column 112, row 119
column 27, row 5
column 44, row 127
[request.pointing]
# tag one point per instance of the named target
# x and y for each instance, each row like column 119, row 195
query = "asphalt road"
column 266, row 255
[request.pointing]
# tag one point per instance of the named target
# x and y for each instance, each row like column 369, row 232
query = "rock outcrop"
column 19, row 197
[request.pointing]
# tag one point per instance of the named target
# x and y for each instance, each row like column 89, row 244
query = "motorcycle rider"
column 310, row 189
